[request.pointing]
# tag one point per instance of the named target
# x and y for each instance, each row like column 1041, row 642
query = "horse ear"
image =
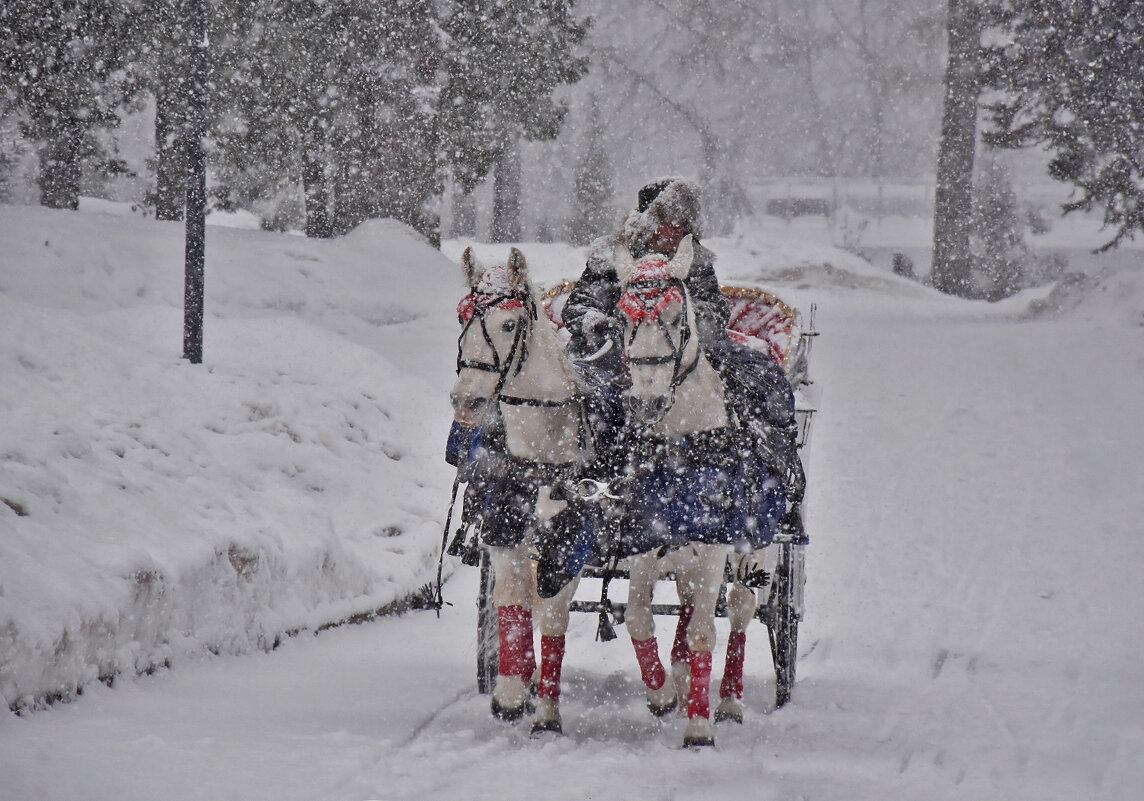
column 473, row 268
column 517, row 268
column 624, row 263
column 680, row 264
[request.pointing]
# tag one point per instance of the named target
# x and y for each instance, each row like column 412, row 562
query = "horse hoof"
column 662, row 701
column 510, row 698
column 729, row 709
column 698, row 733
column 509, row 714
column 547, row 717
column 540, row 727
column 662, row 711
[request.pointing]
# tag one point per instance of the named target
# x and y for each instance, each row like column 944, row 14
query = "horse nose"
column 468, row 409
column 644, row 408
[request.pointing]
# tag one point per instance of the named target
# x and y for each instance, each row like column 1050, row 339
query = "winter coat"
column 590, row 312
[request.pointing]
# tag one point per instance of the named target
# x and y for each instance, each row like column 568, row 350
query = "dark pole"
column 196, row 183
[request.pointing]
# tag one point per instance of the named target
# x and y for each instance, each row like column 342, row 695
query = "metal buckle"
column 592, row 490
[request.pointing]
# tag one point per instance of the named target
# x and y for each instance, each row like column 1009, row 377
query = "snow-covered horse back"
column 510, row 363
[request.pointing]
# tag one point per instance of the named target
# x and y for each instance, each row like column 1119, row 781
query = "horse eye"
column 508, row 326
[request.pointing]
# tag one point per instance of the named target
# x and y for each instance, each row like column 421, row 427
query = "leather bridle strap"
column 519, row 342
column 678, row 350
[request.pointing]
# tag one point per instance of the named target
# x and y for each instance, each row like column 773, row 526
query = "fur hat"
column 665, row 200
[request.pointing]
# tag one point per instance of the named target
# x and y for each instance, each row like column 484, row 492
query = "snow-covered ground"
column 973, row 609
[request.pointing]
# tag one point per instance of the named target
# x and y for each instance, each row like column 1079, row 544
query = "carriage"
column 761, row 321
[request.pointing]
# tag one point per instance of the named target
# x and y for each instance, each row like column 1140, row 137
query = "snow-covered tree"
column 594, row 193
column 1068, row 78
column 1000, row 256
column 504, row 62
column 338, row 99
column 65, row 63
column 894, row 49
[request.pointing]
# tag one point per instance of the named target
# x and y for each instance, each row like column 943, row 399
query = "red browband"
column 649, row 299
column 474, row 300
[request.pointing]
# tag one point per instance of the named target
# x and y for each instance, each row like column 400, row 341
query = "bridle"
column 642, row 300
column 472, row 310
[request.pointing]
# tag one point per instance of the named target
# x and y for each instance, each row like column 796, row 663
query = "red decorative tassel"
column 679, row 649
column 551, row 659
column 651, row 669
column 699, row 700
column 732, row 684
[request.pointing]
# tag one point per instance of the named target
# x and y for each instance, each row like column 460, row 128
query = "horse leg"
column 644, row 570
column 552, row 618
column 680, row 654
column 701, row 578
column 740, row 610
column 513, row 595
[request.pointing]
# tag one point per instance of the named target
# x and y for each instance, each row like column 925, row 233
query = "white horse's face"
column 495, row 325
column 660, row 343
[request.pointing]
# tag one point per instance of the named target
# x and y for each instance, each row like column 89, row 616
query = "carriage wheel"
column 487, row 639
column 782, row 622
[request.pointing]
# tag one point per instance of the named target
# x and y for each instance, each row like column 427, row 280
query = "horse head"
column 660, row 336
column 497, row 316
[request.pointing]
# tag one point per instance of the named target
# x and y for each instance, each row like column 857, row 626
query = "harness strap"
column 438, row 598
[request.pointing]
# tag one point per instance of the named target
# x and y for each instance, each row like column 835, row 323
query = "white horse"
column 676, row 396
column 510, row 357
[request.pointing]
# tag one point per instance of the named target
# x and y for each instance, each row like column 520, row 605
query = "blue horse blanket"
column 679, row 497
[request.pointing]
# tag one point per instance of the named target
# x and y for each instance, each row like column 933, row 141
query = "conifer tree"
column 505, row 59
column 997, row 243
column 65, row 62
column 1067, row 75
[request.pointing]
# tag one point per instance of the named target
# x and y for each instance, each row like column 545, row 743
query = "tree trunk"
column 170, row 154
column 317, row 197
column 60, row 169
column 953, row 196
column 464, row 214
column 506, row 198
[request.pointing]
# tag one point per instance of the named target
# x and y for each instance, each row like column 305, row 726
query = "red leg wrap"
column 529, row 656
column 732, row 684
column 551, row 659
column 513, row 633
column 651, row 669
column 699, row 700
column 679, row 649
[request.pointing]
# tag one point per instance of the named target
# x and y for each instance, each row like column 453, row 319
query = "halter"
column 644, row 299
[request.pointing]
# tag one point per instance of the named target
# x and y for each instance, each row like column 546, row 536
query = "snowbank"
column 151, row 509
